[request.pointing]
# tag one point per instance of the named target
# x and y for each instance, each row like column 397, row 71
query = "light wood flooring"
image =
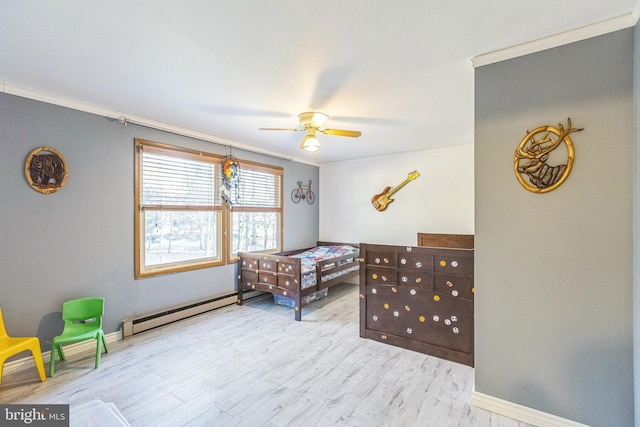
column 255, row 366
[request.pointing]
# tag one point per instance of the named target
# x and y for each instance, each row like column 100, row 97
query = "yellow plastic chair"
column 10, row 346
column 82, row 321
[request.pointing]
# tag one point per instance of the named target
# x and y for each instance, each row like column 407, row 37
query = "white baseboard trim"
column 519, row 412
column 69, row 350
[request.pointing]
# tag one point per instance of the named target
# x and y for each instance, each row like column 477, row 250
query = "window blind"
column 257, row 189
column 178, row 181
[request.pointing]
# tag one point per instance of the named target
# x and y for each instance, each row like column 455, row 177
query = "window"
column 256, row 219
column 180, row 221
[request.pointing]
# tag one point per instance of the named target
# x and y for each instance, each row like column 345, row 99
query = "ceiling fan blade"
column 289, row 129
column 342, row 132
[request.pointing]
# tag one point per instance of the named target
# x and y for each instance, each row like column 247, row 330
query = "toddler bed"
column 297, row 277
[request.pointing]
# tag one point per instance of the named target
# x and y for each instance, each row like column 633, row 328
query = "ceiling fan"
column 311, row 123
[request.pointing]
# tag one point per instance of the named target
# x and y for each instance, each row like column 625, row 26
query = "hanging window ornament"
column 230, row 179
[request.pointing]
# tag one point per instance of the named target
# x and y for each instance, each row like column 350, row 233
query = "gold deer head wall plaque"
column 532, row 164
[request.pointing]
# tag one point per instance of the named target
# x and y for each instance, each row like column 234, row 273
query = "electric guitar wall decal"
column 380, row 201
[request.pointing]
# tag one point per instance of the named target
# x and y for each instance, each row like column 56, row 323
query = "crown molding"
column 603, row 27
column 125, row 118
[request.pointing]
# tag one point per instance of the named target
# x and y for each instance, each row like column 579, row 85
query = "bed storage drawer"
column 381, row 276
column 454, row 264
column 385, row 259
column 268, row 278
column 414, row 278
column 268, row 265
column 455, row 286
column 287, row 281
column 289, row 267
column 415, row 260
column 247, row 276
column 249, row 263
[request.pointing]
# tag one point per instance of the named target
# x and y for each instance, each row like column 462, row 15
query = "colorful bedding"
column 309, row 258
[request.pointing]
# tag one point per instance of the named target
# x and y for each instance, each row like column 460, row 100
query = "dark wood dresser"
column 419, row 298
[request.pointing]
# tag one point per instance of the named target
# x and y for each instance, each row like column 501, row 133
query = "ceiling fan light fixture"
column 313, row 119
column 311, row 123
column 310, row 143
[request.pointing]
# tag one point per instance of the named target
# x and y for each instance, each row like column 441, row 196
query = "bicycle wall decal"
column 303, row 192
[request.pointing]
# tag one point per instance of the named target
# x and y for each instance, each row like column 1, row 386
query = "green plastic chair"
column 82, row 321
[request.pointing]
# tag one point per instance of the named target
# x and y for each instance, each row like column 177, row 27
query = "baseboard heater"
column 135, row 325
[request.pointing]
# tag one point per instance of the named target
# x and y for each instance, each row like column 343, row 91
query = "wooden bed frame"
column 461, row 241
column 280, row 274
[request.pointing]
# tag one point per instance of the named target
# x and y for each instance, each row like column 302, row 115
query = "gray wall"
column 79, row 241
column 554, row 272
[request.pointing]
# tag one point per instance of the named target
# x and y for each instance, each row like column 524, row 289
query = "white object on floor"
column 96, row 413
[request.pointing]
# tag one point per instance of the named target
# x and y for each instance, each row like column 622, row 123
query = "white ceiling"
column 399, row 71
